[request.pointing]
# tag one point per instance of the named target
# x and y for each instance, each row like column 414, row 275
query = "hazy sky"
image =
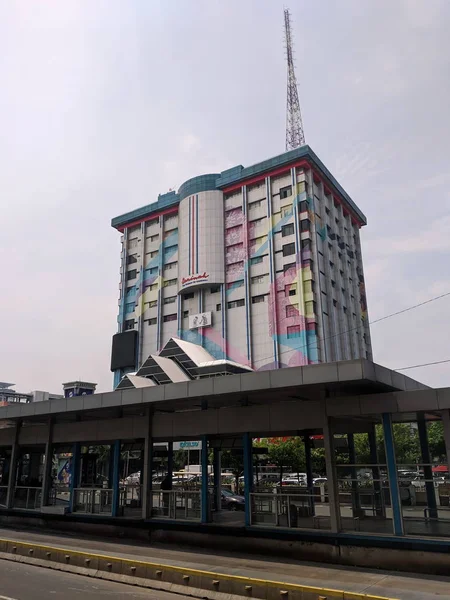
column 106, row 103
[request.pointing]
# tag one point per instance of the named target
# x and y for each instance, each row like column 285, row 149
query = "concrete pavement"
column 19, row 581
column 380, row 583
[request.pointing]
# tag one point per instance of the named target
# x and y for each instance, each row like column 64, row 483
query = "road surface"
column 19, row 581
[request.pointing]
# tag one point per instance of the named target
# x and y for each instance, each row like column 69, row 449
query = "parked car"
column 232, row 501
column 320, row 480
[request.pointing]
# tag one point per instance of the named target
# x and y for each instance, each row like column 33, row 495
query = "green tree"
column 287, row 454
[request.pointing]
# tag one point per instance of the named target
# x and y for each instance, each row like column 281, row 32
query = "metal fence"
column 177, row 504
column 130, row 500
column 299, row 510
column 93, row 501
column 28, row 498
column 3, row 494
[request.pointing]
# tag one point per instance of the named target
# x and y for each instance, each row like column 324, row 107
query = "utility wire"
column 399, row 312
column 437, row 362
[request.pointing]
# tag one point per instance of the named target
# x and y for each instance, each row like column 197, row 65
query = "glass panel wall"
column 422, row 468
column 364, row 498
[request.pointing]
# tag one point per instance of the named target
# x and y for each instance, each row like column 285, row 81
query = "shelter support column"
column 205, row 481
column 13, row 467
column 392, row 474
column 48, row 460
column 75, row 473
column 335, row 516
column 426, row 460
column 446, row 427
column 170, row 462
column 379, row 504
column 309, row 472
column 217, row 478
column 115, row 451
column 248, row 476
column 356, row 504
column 146, row 478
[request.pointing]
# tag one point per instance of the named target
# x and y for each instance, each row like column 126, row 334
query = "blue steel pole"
column 205, row 477
column 248, row 476
column 392, row 474
column 75, row 472
column 115, row 478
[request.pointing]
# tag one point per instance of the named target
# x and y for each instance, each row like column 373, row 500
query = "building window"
column 171, row 265
column 290, row 290
column 151, row 271
column 333, row 283
column 289, row 249
column 285, row 192
column 171, row 232
column 154, row 238
column 129, row 307
column 236, row 303
column 288, row 266
column 258, row 279
column 185, row 314
column 305, row 225
column 291, row 310
column 310, row 326
column 342, row 273
column 132, row 274
column 169, row 282
column 154, row 253
column 335, row 302
column 170, row 249
column 235, row 284
column 218, row 307
column 287, row 229
column 153, row 222
column 293, row 331
column 131, row 259
column 130, row 289
column 344, row 308
column 310, row 307
column 129, row 324
column 303, row 206
column 168, row 318
column 256, row 260
column 214, row 289
column 331, row 264
column 327, row 210
column 258, row 299
column 189, row 296
column 170, row 299
column 306, row 244
column 153, row 303
column 256, row 204
column 132, row 243
column 152, row 321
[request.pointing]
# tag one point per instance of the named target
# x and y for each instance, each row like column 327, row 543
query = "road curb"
column 187, row 581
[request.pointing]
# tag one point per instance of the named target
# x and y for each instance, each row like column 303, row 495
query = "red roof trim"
column 168, row 211
column 317, row 176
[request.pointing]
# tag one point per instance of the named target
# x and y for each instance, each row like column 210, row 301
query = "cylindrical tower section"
column 201, row 247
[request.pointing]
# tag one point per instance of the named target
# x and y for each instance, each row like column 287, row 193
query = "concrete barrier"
column 196, row 583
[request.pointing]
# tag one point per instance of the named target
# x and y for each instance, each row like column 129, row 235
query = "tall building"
column 259, row 265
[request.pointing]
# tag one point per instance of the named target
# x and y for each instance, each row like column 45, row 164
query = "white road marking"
column 7, row 598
